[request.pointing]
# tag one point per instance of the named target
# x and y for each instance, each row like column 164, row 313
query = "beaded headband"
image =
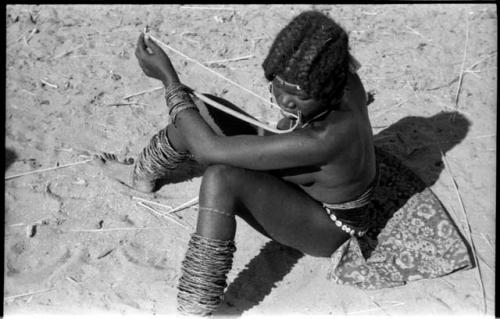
column 354, row 66
column 285, row 83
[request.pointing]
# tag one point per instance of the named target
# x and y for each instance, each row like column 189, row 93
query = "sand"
column 72, row 244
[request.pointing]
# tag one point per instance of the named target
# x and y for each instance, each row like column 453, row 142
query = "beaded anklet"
column 216, row 211
column 204, row 274
column 158, row 158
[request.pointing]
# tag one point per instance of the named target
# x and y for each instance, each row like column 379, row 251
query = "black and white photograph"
column 262, row 160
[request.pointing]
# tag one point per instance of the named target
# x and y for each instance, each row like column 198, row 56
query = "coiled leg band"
column 204, row 273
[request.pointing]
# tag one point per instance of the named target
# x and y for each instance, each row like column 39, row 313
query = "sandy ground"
column 68, row 66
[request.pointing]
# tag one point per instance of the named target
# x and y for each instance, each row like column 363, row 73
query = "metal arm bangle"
column 179, row 108
column 175, row 94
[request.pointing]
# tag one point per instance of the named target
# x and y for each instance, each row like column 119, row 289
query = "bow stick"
column 221, row 107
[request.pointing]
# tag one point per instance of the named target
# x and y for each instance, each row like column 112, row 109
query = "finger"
column 152, row 44
column 141, row 45
column 142, row 65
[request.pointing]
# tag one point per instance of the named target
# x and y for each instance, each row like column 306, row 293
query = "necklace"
column 314, row 118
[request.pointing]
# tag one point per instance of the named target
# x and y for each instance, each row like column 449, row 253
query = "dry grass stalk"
column 390, row 109
column 187, row 204
column 10, row 298
column 460, row 79
column 486, row 264
column 487, row 240
column 455, row 186
column 48, row 83
column 151, row 202
column 396, row 304
column 60, row 55
column 115, row 229
column 17, row 225
column 20, row 37
column 156, row 214
column 448, row 283
column 376, row 304
column 246, row 57
column 207, row 8
column 28, row 38
column 154, row 211
column 470, row 68
column 125, row 104
column 72, row 279
column 46, row 169
column 143, row 92
column 416, row 32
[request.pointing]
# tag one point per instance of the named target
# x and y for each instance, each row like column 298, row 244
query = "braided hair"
column 312, row 52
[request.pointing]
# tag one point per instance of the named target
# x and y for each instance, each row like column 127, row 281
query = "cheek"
column 310, row 107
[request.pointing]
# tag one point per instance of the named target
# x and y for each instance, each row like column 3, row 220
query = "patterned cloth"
column 412, row 236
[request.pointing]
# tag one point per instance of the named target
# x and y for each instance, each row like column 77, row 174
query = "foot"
column 122, row 171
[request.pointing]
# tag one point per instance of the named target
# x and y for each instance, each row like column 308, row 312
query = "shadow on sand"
column 412, row 148
column 10, row 157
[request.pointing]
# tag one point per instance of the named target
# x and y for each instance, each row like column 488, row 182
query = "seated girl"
column 307, row 189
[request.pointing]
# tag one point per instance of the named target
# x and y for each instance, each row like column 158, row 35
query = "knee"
column 220, row 178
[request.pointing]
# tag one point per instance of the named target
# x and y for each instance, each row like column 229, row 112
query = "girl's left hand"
column 154, row 62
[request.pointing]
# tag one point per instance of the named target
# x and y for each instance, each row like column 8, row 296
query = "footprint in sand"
column 141, row 256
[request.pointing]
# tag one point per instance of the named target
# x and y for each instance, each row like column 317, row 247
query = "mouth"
column 287, row 114
column 290, row 115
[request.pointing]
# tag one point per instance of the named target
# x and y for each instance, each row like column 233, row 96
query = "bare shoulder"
column 334, row 131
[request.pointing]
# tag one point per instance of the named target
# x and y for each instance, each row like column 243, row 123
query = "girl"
column 307, row 189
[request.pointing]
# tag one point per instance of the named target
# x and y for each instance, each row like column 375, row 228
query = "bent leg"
column 222, row 123
column 166, row 158
column 277, row 209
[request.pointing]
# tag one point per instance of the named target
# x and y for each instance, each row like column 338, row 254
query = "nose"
column 286, row 102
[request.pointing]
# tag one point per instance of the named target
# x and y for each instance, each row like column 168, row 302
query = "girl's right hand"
column 154, row 61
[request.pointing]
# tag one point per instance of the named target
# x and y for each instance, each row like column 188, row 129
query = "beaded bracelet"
column 178, row 108
column 176, row 93
column 178, row 99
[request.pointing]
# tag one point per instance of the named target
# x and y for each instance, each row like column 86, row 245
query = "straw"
column 163, row 215
column 187, row 204
column 246, row 57
column 460, row 79
column 206, row 8
column 455, row 186
column 142, row 92
column 46, row 169
column 115, row 229
column 26, row 294
column 151, row 202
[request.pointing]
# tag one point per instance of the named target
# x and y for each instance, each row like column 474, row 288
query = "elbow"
column 201, row 158
column 205, row 154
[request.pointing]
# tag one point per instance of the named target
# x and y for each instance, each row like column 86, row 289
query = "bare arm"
column 303, row 147
column 299, row 148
